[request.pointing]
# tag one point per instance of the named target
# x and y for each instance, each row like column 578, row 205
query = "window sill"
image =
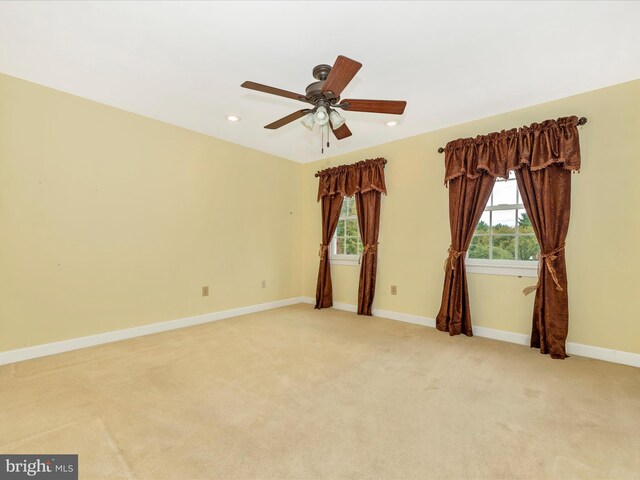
column 345, row 261
column 503, row 268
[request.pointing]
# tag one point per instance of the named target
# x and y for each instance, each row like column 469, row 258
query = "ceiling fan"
column 324, row 95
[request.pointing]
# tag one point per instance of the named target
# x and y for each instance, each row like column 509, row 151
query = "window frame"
column 344, row 258
column 490, row 266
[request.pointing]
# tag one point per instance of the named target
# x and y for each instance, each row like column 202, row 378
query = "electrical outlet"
column 263, row 284
column 394, row 289
column 205, row 291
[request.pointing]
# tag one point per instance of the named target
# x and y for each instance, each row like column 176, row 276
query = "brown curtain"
column 331, row 205
column 543, row 156
column 366, row 180
column 546, row 195
column 368, row 208
column 467, row 199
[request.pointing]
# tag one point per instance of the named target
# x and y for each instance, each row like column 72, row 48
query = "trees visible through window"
column 504, row 231
column 346, row 244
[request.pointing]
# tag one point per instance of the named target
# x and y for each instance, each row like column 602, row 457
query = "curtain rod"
column 581, row 121
column 384, row 162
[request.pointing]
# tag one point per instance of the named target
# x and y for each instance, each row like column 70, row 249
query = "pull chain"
column 324, row 129
column 328, row 136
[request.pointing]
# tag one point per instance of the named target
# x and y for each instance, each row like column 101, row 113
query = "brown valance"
column 538, row 146
column 347, row 180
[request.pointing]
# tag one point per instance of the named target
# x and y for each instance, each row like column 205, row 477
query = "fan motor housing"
column 314, row 91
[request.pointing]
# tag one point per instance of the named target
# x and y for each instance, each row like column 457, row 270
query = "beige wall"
column 603, row 245
column 110, row 220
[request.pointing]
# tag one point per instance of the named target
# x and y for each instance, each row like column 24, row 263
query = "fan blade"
column 395, row 107
column 341, row 132
column 273, row 91
column 340, row 75
column 288, row 119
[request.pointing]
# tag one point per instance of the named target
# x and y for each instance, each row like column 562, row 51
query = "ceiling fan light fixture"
column 233, row 118
column 391, row 123
column 321, row 116
column 336, row 119
column 308, row 121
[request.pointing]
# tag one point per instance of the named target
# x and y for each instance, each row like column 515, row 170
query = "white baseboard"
column 28, row 353
column 401, row 317
column 502, row 335
column 579, row 349
column 606, row 354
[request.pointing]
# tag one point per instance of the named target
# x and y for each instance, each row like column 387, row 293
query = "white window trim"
column 518, row 268
column 346, row 261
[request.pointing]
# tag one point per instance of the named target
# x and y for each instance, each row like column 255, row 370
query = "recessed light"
column 233, row 118
column 392, row 123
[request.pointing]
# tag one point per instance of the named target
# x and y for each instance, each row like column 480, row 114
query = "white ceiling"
column 183, row 62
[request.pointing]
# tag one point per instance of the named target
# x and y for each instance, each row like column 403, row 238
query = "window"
column 346, row 246
column 504, row 242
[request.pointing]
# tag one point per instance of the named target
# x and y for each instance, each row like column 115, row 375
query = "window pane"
column 352, row 245
column 483, row 224
column 479, row 247
column 360, row 247
column 528, row 247
column 504, row 247
column 352, row 207
column 503, row 221
column 524, row 222
column 340, row 245
column 504, row 193
column 340, row 229
column 352, row 228
column 345, row 206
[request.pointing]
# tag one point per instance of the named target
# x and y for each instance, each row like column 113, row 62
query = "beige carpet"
column 297, row 393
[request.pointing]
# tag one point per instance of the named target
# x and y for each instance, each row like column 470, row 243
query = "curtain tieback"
column 451, row 258
column 369, row 248
column 546, row 260
column 323, row 250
